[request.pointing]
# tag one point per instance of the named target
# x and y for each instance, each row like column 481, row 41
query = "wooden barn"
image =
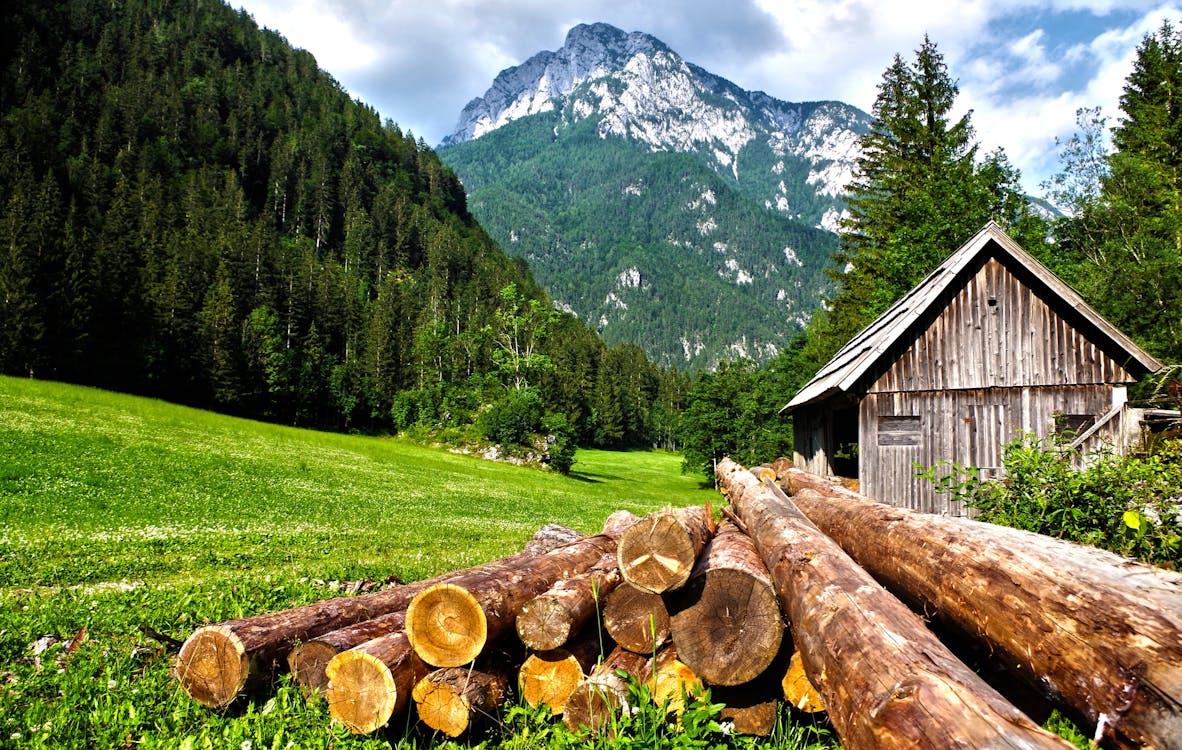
column 990, row 345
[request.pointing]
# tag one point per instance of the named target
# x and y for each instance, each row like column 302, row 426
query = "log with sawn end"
column 726, row 620
column 217, row 661
column 453, row 699
column 549, row 677
column 658, row 552
column 549, row 619
column 636, row 619
column 1099, row 632
column 887, row 681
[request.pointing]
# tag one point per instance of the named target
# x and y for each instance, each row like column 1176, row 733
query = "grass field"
column 121, row 513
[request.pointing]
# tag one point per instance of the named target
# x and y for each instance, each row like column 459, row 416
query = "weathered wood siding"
column 970, row 427
column 812, row 443
column 995, row 333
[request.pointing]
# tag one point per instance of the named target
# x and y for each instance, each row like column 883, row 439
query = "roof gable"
column 849, row 368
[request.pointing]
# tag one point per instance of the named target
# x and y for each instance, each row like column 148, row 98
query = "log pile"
column 806, row 597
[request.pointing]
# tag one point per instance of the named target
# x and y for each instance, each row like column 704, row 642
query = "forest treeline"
column 193, row 210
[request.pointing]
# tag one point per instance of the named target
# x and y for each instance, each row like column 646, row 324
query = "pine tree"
column 918, row 193
column 1131, row 236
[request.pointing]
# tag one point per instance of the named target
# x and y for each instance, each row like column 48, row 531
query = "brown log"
column 637, row 620
column 1101, row 633
column 799, row 691
column 217, row 661
column 781, row 466
column 548, row 620
column 596, row 703
column 726, row 620
column 307, row 661
column 449, row 624
column 658, row 552
column 371, row 683
column 886, row 680
column 549, row 677
column 451, row 700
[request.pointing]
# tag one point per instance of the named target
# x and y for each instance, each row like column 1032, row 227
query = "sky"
column 1024, row 67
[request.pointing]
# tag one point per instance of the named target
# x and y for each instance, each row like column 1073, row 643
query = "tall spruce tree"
column 1129, row 238
column 919, row 191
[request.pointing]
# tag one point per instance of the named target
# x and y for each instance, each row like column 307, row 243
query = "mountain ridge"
column 530, row 153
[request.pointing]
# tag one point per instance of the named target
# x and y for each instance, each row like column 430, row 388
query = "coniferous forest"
column 193, row 210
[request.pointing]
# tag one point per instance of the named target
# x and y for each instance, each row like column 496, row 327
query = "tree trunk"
column 636, row 619
column 371, row 683
column 726, row 621
column 598, row 700
column 549, row 677
column 216, row 661
column 658, row 552
column 1100, row 632
column 453, row 699
column 567, row 607
column 450, row 623
column 886, row 680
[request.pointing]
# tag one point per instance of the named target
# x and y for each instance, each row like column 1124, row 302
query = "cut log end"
column 212, row 666
column 656, row 554
column 307, row 663
column 636, row 619
column 446, row 626
column 673, row 683
column 361, row 691
column 594, row 706
column 543, row 624
column 441, row 706
column 798, row 690
column 548, row 678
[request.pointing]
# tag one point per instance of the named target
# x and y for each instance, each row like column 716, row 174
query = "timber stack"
column 804, row 598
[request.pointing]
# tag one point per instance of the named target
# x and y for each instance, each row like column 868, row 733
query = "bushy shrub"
column 562, row 450
column 1131, row 505
column 512, row 419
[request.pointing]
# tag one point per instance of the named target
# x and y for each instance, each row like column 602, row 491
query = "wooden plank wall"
column 996, row 334
column 970, row 427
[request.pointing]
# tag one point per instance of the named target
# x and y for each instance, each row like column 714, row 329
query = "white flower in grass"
column 247, row 745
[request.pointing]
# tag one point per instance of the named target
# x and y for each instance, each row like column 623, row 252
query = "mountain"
column 661, row 203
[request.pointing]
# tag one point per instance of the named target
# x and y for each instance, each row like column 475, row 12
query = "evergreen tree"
column 1128, row 238
column 918, row 193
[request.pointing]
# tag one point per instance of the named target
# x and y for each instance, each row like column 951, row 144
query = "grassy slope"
column 121, row 512
column 98, row 487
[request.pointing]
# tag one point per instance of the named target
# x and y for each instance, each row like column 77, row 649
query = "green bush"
column 512, row 419
column 562, row 449
column 1131, row 505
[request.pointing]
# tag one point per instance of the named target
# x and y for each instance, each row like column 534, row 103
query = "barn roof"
column 844, row 372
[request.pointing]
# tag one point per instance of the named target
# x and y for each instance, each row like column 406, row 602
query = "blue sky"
column 1023, row 66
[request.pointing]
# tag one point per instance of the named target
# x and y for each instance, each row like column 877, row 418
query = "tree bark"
column 1101, row 633
column 658, row 552
column 886, row 680
column 726, row 620
column 547, row 621
column 217, row 661
column 637, row 620
column 450, row 623
column 371, row 683
column 453, row 699
column 549, row 677
column 598, row 700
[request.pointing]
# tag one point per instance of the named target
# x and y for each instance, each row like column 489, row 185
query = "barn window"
column 1072, row 424
column 898, row 430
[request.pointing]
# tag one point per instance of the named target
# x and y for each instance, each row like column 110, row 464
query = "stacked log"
column 774, row 606
column 658, row 552
column 1101, row 633
column 886, row 680
column 726, row 621
column 217, row 661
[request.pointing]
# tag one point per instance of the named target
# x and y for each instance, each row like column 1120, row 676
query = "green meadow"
column 128, row 521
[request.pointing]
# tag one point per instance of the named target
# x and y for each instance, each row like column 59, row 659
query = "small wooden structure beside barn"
column 990, row 345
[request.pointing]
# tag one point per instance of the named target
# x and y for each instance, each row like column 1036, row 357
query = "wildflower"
column 14, row 736
column 727, row 728
column 111, row 684
column 247, row 745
